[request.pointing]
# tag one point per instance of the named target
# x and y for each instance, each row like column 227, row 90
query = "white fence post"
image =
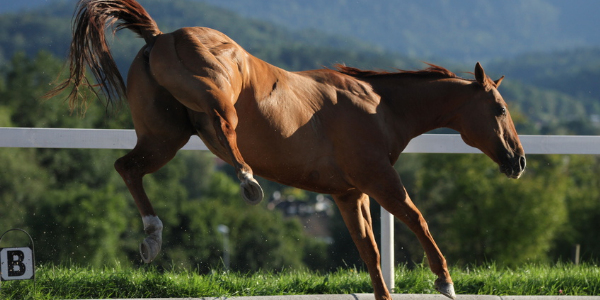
column 387, row 248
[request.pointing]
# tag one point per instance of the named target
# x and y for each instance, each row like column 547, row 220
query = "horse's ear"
column 480, row 75
column 497, row 82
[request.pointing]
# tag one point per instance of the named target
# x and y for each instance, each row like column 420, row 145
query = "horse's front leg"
column 354, row 207
column 391, row 195
column 406, row 211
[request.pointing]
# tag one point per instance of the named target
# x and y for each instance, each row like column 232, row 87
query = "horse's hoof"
column 446, row 289
column 251, row 191
column 149, row 249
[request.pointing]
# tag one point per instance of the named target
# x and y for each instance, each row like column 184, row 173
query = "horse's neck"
column 421, row 105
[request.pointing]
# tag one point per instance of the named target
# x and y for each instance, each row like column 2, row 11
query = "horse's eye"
column 502, row 111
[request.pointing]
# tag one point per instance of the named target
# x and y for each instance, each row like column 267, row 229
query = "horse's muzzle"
column 514, row 166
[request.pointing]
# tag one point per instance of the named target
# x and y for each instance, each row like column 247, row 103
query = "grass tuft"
column 84, row 283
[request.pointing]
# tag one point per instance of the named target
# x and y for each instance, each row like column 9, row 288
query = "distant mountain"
column 572, row 72
column 466, row 30
column 17, row 6
column 549, row 88
column 48, row 27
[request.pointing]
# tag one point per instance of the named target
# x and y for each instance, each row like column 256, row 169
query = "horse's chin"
column 513, row 166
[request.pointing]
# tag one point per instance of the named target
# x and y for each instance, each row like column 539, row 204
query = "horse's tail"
column 89, row 46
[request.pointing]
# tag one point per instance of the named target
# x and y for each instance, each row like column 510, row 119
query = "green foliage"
column 258, row 238
column 27, row 79
column 192, row 224
column 546, row 110
column 583, row 209
column 79, row 224
column 476, row 215
column 21, row 185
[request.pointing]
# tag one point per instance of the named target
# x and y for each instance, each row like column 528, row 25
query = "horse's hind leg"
column 149, row 155
column 200, row 82
column 354, row 207
column 162, row 127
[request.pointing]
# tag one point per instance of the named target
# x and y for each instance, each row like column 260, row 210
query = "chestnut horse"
column 329, row 131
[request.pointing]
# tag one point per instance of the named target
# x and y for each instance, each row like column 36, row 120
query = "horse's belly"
column 304, row 160
column 317, row 176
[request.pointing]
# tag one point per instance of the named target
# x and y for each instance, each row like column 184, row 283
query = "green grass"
column 85, row 283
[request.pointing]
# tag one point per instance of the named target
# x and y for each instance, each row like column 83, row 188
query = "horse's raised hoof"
column 149, row 249
column 446, row 289
column 251, row 191
column 150, row 246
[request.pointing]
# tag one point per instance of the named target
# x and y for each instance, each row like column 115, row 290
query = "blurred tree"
column 80, row 225
column 583, row 207
column 22, row 182
column 477, row 215
column 259, row 239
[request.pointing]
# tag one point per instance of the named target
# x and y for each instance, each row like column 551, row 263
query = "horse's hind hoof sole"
column 149, row 250
column 251, row 191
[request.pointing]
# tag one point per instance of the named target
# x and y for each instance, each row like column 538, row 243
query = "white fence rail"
column 427, row 143
column 14, row 137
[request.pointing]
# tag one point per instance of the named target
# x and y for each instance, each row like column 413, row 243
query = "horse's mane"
column 433, row 71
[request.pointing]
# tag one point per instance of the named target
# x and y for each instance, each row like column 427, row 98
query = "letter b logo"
column 16, row 263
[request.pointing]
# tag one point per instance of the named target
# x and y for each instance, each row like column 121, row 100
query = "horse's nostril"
column 522, row 162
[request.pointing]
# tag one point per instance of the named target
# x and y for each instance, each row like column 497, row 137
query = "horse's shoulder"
column 350, row 91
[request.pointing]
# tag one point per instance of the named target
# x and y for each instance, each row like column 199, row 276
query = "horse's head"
column 485, row 123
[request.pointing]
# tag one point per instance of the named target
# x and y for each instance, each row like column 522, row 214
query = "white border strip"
column 14, row 137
